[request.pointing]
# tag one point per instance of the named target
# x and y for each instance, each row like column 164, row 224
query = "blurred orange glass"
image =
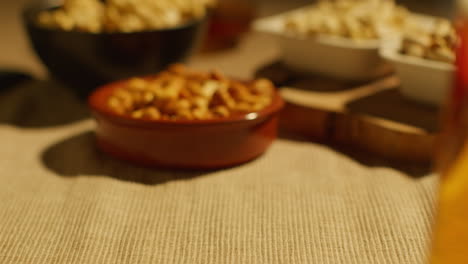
column 229, row 21
column 450, row 244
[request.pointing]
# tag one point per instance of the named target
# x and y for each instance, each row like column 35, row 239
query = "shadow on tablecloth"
column 78, row 156
column 367, row 159
column 40, row 104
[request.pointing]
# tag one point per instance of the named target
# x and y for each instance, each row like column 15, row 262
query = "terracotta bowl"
column 199, row 144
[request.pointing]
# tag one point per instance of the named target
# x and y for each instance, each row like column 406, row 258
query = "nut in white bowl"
column 324, row 39
column 421, row 79
column 426, row 78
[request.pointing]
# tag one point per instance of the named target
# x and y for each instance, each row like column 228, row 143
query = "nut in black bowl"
column 84, row 60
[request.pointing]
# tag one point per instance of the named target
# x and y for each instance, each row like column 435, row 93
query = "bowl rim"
column 30, row 11
column 395, row 56
column 97, row 102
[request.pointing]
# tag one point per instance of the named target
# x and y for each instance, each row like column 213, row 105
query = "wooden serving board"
column 371, row 116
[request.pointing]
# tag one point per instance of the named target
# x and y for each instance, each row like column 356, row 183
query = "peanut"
column 182, row 94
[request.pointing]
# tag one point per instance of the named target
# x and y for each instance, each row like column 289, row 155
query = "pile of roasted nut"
column 181, row 94
column 436, row 43
column 97, row 16
column 353, row 19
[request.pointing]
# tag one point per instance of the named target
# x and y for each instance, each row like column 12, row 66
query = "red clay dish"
column 184, row 144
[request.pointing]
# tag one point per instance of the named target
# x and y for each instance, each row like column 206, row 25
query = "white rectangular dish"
column 422, row 80
column 336, row 57
column 341, row 58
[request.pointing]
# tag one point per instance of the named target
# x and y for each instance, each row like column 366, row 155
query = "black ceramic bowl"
column 84, row 61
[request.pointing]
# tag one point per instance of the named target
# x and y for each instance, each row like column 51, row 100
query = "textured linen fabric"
column 62, row 201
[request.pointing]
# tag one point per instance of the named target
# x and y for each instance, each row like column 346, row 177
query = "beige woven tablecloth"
column 61, row 201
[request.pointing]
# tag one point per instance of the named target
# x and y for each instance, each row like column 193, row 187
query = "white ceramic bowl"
column 422, row 80
column 336, row 57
